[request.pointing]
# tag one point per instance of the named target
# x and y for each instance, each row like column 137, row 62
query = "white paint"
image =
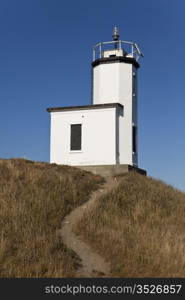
column 113, row 82
column 98, row 137
column 106, row 132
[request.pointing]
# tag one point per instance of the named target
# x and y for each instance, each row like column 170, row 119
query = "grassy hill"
column 34, row 199
column 139, row 227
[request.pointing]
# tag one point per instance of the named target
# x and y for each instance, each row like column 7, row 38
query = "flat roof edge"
column 83, row 107
column 117, row 59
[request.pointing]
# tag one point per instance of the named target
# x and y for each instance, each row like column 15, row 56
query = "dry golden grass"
column 34, row 199
column 139, row 227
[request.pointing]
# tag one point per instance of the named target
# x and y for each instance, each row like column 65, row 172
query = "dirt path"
column 92, row 264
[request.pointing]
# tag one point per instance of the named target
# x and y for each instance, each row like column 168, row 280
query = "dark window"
column 112, row 55
column 76, row 137
column 134, row 138
column 134, row 83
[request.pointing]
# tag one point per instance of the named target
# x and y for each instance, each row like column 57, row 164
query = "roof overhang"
column 84, row 107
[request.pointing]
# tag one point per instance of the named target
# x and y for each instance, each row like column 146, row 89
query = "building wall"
column 106, row 83
column 98, row 137
column 113, row 82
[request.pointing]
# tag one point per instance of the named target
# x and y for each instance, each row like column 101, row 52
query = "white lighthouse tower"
column 102, row 137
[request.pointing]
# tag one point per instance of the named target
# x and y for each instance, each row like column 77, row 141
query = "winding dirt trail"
column 92, row 264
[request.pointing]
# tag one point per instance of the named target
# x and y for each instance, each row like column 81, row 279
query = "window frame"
column 70, row 139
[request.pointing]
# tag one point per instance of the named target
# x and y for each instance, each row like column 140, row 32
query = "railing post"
column 119, row 44
column 100, row 49
column 94, row 53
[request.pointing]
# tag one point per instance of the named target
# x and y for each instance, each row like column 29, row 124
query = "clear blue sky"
column 45, row 57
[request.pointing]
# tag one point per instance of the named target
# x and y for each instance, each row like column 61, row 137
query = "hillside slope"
column 34, row 199
column 139, row 228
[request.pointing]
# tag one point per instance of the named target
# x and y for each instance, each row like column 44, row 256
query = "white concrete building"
column 105, row 132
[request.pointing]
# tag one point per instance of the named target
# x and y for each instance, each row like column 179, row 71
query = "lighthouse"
column 102, row 137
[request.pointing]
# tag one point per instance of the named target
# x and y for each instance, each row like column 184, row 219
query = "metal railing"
column 129, row 49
